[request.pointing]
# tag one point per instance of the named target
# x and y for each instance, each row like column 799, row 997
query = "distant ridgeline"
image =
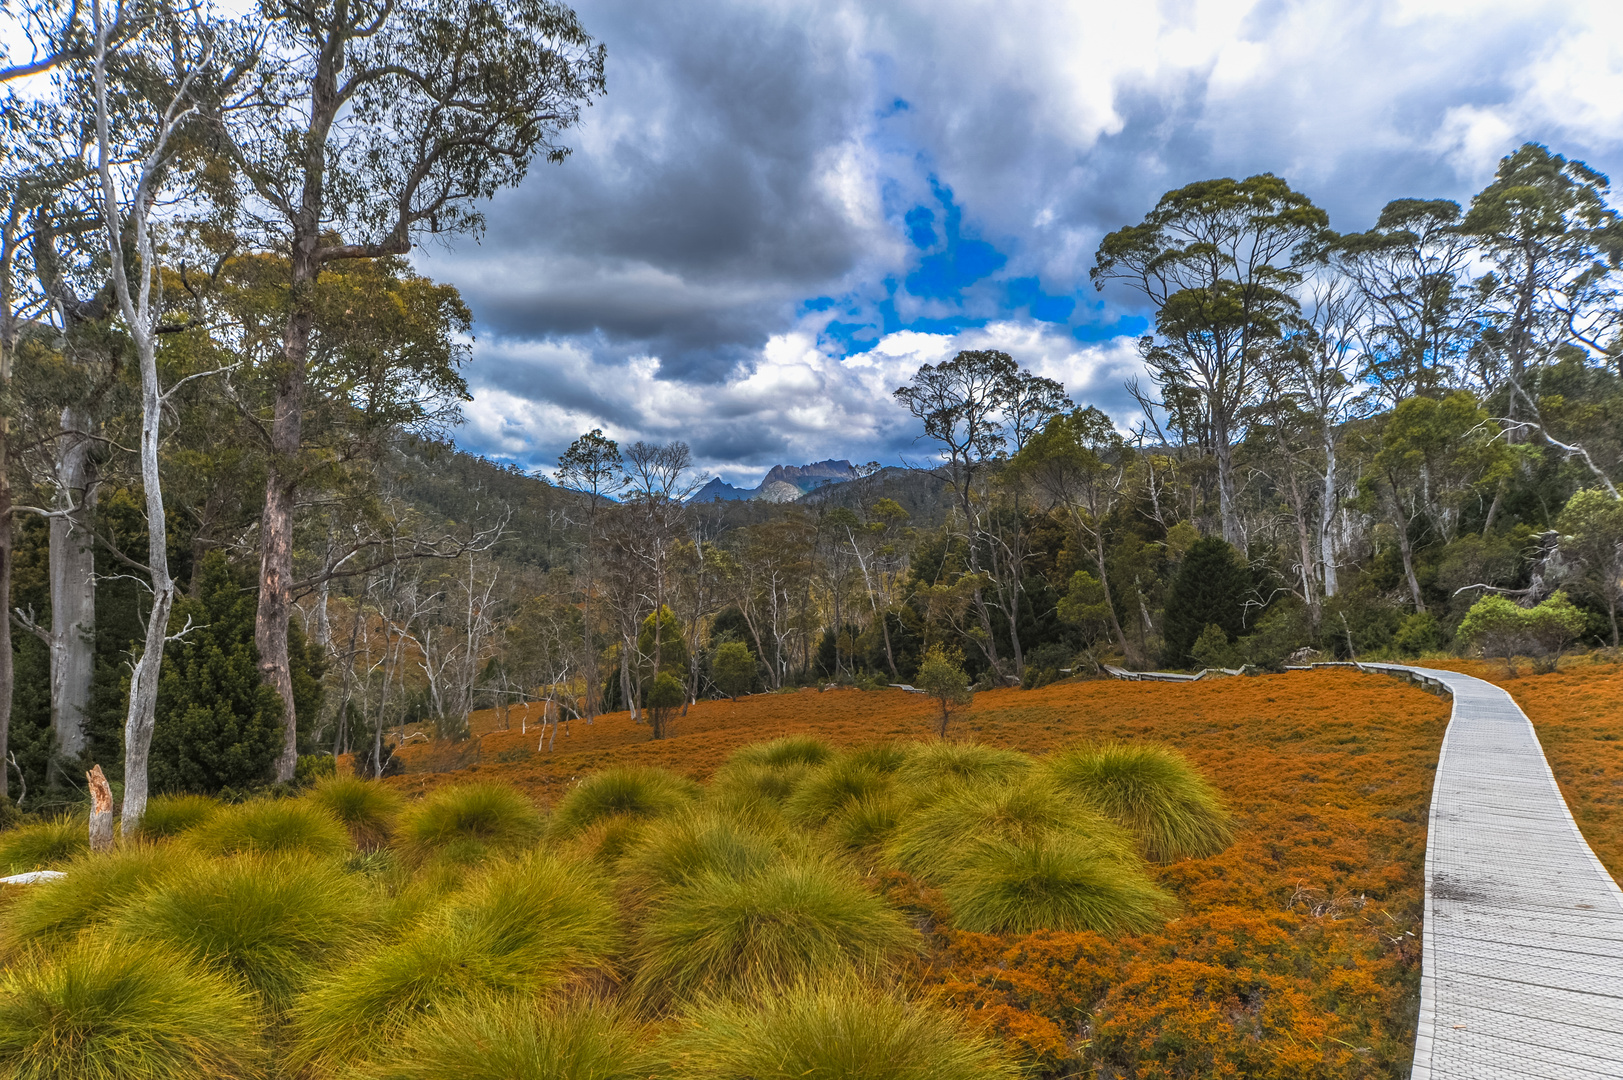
column 785, row 483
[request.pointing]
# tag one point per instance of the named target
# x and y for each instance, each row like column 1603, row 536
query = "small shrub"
column 171, row 815
column 45, row 846
column 1151, row 790
column 795, row 920
column 95, row 889
column 933, row 763
column 522, row 928
column 1050, row 884
column 830, row 787
column 941, row 675
column 790, row 750
column 630, row 792
column 313, row 769
column 835, row 1029
column 279, row 825
column 491, row 1038
column 367, row 808
column 270, row 920
column 105, row 1011
column 468, row 823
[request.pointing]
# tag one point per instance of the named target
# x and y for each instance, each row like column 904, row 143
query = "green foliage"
column 1497, row 626
column 665, row 697
column 1152, row 791
column 1051, row 883
column 218, row 724
column 521, row 929
column 95, row 889
column 494, row 1038
column 1211, row 588
column 673, row 647
column 312, row 769
column 272, row 921
column 794, row 920
column 829, row 1029
column 1212, row 648
column 1418, row 634
column 367, row 808
column 1084, row 606
column 829, row 788
column 171, row 815
column 100, row 1010
column 271, row 825
column 43, row 846
column 941, row 675
column 1593, row 523
column 467, row 823
column 644, row 793
column 733, row 668
column 694, row 843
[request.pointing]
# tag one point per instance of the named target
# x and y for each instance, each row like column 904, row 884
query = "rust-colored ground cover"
column 1295, row 952
column 1578, row 714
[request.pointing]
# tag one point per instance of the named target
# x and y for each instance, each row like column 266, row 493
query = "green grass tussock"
column 96, row 888
column 866, row 824
column 644, row 793
column 268, row 826
column 101, row 1010
column 797, row 919
column 270, row 920
column 522, row 928
column 513, row 1039
column 43, row 846
column 694, row 843
column 753, row 789
column 885, row 757
column 934, row 763
column 468, row 823
column 785, row 752
column 171, row 815
column 1050, row 883
column 1152, row 790
column 835, row 1030
column 367, row 808
column 831, row 787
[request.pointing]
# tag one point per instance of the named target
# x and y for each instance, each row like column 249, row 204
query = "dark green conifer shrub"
column 1211, row 588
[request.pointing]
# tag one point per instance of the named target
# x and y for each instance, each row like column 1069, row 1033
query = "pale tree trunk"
column 8, row 675
column 73, row 585
column 1226, row 505
column 1407, row 549
column 1327, row 514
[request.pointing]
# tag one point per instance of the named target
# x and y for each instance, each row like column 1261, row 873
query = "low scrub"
column 1051, row 883
column 269, row 826
column 796, row 920
column 95, row 889
column 493, row 1038
column 100, row 1010
column 47, row 845
column 270, row 920
column 632, row 793
column 367, row 808
column 1151, row 790
column 831, row 1029
column 469, row 823
column 171, row 815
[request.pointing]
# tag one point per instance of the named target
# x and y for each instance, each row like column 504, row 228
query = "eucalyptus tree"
column 1220, row 260
column 381, row 122
column 592, row 466
column 658, row 479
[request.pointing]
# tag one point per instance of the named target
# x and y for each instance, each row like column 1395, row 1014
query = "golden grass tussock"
column 832, row 786
column 369, row 809
column 45, row 845
column 468, row 823
column 638, row 793
column 96, row 889
column 269, row 826
column 831, row 1028
column 928, row 764
column 171, row 815
column 794, row 920
column 106, row 1010
column 1151, row 790
column 1051, row 881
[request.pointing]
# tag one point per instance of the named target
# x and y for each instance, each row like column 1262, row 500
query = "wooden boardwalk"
column 1522, row 949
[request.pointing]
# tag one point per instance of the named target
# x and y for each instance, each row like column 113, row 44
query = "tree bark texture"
column 101, row 811
column 73, row 585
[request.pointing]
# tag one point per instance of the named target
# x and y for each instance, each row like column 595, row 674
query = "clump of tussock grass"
column 270, row 920
column 829, row 788
column 642, row 793
column 794, row 920
column 491, row 1038
column 46, row 845
column 1151, row 790
column 521, row 928
column 103, row 1010
column 755, row 790
column 171, row 815
column 697, row 842
column 367, row 808
column 865, row 824
column 930, row 842
column 468, row 823
column 942, row 762
column 785, row 752
column 95, row 889
column 833, row 1029
column 268, row 826
column 1051, row 883
column 885, row 757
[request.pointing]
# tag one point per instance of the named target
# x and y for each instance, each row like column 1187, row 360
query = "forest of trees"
column 235, row 532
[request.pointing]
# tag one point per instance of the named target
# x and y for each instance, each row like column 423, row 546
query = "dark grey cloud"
column 736, row 205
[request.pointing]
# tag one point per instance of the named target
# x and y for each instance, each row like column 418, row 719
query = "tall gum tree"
column 381, row 122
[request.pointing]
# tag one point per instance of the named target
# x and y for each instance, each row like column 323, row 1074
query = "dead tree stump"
column 101, row 811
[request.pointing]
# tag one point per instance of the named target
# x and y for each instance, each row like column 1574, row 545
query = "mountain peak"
column 784, row 483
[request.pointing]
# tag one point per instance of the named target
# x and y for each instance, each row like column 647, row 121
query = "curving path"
column 1522, row 962
column 1522, row 951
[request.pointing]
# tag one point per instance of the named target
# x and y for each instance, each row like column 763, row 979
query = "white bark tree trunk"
column 73, row 586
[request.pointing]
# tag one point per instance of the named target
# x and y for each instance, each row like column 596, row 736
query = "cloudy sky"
column 783, row 207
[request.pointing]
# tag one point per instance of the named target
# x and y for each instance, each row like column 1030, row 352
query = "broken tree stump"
column 101, row 811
